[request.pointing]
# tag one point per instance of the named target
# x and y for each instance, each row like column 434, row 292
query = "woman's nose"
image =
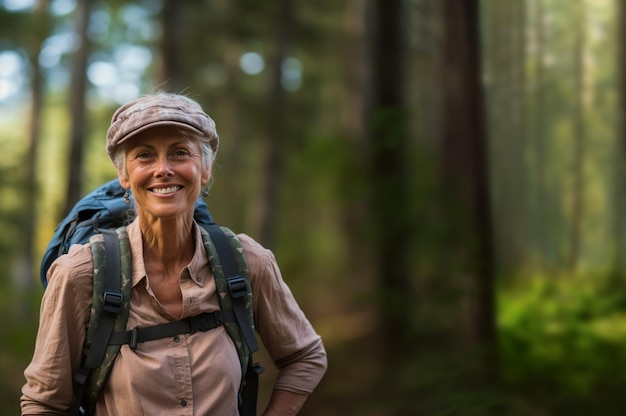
column 163, row 168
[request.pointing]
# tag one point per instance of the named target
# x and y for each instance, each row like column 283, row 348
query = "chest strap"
column 202, row 322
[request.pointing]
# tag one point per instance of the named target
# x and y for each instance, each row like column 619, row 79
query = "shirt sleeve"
column 292, row 343
column 64, row 316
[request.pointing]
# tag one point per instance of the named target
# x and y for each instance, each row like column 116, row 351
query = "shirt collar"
column 197, row 269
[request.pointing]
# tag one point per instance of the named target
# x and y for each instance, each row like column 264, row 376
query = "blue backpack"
column 104, row 211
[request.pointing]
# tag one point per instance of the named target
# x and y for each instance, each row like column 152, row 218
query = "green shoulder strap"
column 112, row 282
column 232, row 280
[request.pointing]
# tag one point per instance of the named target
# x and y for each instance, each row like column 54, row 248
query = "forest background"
column 442, row 181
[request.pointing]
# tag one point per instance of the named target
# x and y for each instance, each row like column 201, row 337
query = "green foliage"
column 564, row 333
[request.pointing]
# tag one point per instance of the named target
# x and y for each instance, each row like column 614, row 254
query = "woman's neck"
column 169, row 241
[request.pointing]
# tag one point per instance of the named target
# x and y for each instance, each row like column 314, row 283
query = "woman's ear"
column 123, row 180
column 206, row 176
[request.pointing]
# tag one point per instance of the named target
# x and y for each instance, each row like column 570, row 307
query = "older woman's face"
column 165, row 172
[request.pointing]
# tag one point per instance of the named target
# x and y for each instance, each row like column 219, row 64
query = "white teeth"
column 168, row 190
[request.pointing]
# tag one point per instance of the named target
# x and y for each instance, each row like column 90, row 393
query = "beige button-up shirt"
column 190, row 374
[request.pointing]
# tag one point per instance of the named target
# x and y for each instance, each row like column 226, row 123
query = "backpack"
column 98, row 218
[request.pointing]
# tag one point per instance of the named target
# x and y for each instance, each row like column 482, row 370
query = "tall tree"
column 172, row 43
column 77, row 108
column 40, row 28
column 620, row 160
column 275, row 123
column 465, row 173
column 578, row 136
column 231, row 106
column 389, row 175
column 505, row 64
column 353, row 55
column 540, row 149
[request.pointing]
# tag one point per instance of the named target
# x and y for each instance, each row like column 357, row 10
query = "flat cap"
column 160, row 109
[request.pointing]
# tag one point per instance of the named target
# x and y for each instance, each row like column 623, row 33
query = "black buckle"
column 134, row 338
column 257, row 368
column 205, row 322
column 81, row 376
column 237, row 286
column 112, row 301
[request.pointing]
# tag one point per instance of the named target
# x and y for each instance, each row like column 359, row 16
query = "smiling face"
column 164, row 169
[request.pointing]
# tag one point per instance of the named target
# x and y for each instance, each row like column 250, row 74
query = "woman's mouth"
column 166, row 190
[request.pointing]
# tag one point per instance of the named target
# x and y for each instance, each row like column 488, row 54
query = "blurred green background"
column 442, row 181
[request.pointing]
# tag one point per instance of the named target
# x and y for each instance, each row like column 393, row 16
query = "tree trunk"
column 505, row 60
column 355, row 59
column 620, row 159
column 465, row 175
column 579, row 137
column 232, row 180
column 172, row 62
column 389, row 179
column 78, row 113
column 275, row 123
column 23, row 275
column 542, row 235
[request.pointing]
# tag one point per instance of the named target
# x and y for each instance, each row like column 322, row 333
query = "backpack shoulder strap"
column 109, row 312
column 232, row 280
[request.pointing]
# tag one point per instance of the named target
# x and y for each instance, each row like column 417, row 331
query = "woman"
column 163, row 147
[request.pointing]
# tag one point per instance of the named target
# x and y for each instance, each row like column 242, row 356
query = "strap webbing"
column 202, row 322
column 111, row 298
column 236, row 284
column 249, row 393
column 238, row 288
column 112, row 301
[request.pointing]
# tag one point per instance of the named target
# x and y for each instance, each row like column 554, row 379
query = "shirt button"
column 176, row 338
column 183, row 402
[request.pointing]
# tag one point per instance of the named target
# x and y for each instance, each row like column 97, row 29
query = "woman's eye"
column 181, row 153
column 143, row 155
